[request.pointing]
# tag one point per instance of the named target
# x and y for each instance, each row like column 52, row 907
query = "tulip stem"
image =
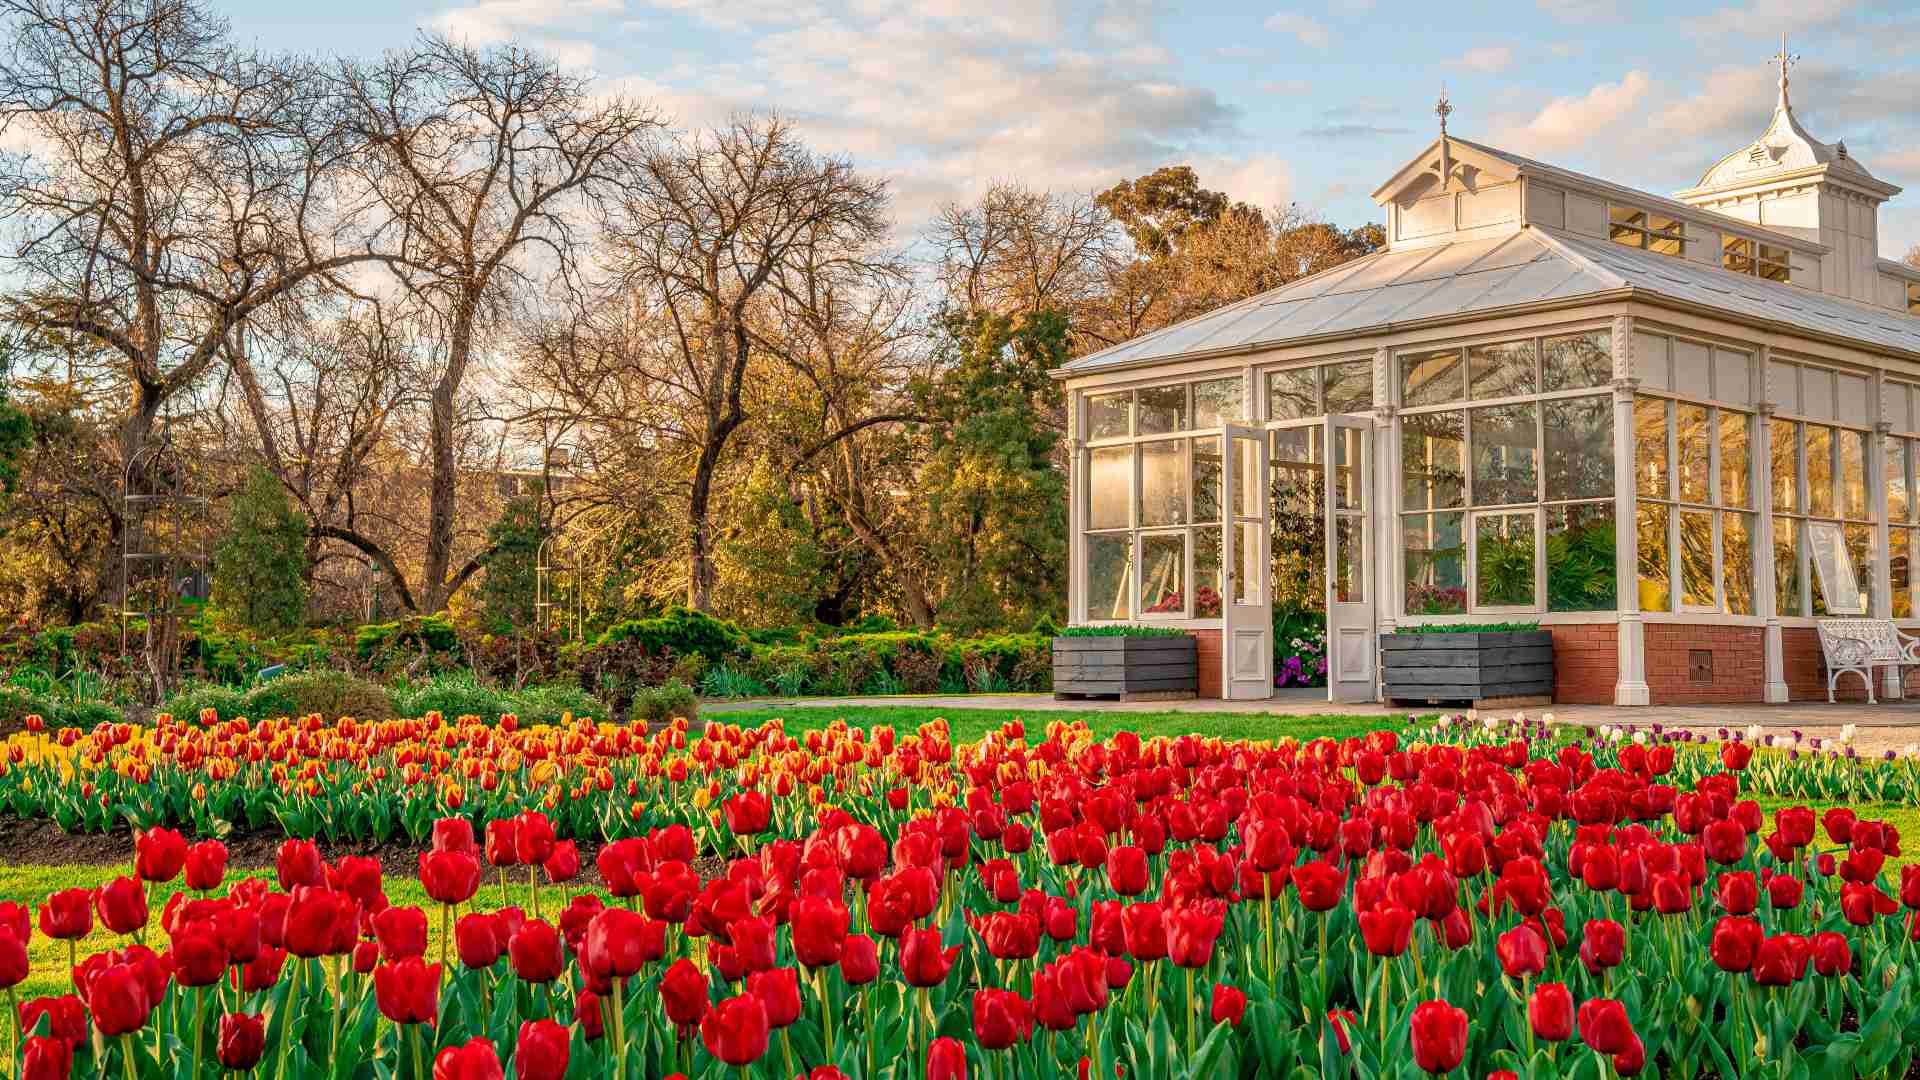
column 446, row 934
column 199, row 1023
column 786, row 1048
column 533, row 888
column 1190, row 1017
column 286, row 1028
column 1325, row 918
column 1526, row 994
column 126, row 1056
column 619, row 1028
column 1385, row 965
column 826, row 1009
column 419, row 1062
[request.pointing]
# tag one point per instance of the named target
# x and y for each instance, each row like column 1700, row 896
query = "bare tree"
column 719, row 224
column 485, row 163
column 1018, row 251
column 172, row 186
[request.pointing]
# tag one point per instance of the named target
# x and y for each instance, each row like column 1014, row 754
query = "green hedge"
column 1121, row 631
column 887, row 662
column 681, row 632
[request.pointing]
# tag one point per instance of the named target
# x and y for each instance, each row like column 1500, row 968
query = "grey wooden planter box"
column 1127, row 668
column 1484, row 668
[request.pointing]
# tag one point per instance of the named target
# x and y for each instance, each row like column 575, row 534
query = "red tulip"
column 454, row 834
column 859, row 960
column 1603, row 945
column 946, row 1060
column 1784, row 891
column 1320, row 885
column 159, row 854
column 118, row 997
column 401, row 932
column 1735, row 940
column 540, row 1053
column 533, row 838
column 1001, row 1018
column 1143, row 930
column 1229, row 1005
column 1861, row 902
column 1011, row 935
column 735, row 1030
column 477, row 939
column 450, row 877
column 747, row 813
column 501, row 850
column 46, row 1059
column 1339, row 1020
column 1604, row 1025
column 121, row 905
column 67, row 914
column 1387, row 929
column 564, row 862
column 683, row 994
column 1438, row 1036
column 243, row 1041
column 819, row 925
column 321, row 922
column 586, row 1012
column 198, row 958
column 1127, row 870
column 407, row 991
column 1781, row 960
column 778, row 990
column 924, row 958
column 1550, row 1011
column 263, row 971
column 1735, row 755
column 298, row 863
column 1831, row 953
column 536, row 952
column 1191, row 933
column 206, row 865
column 476, row 1060
column 1521, row 951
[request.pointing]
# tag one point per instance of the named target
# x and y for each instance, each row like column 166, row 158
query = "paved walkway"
column 1880, row 727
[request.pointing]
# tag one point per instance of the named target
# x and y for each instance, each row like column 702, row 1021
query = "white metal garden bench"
column 1860, row 645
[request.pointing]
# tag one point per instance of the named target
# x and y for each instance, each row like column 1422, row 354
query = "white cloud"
column 1310, row 31
column 1488, row 59
column 492, row 22
column 1770, row 18
column 1569, row 122
column 1263, row 180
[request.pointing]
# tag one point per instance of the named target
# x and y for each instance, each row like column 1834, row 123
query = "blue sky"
column 1309, row 103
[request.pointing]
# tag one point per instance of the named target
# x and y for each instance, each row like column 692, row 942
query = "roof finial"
column 1443, row 109
column 1785, row 59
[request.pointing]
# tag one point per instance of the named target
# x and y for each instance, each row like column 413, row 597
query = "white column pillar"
column 1076, row 510
column 1630, row 687
column 1766, row 600
column 1892, row 683
column 1384, row 509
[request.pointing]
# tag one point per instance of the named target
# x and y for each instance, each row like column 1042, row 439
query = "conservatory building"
column 1674, row 431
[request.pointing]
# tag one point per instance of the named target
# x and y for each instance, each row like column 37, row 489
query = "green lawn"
column 969, row 724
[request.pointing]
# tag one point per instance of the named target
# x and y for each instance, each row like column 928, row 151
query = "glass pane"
column 1109, row 576
column 1206, row 479
column 1569, row 363
column 1651, row 477
column 1736, row 562
column 1293, row 395
column 1297, row 510
column 1435, row 555
column 1656, row 591
column 1819, row 470
column 1579, row 440
column 1216, row 401
column 1786, row 566
column 1350, row 387
column 1206, row 572
column 1163, row 483
column 1899, row 497
column 1505, row 369
column 1107, row 415
column 1246, row 551
column 1349, row 463
column 1860, row 551
column 1783, row 448
column 1433, row 450
column 1504, row 438
column 1349, row 559
column 1433, row 378
column 1736, row 458
column 1503, row 560
column 1163, row 572
column 1900, row 571
column 1693, row 440
column 1246, row 476
column 1163, row 409
column 1298, row 479
column 1696, row 559
column 1581, row 558
column 1110, row 487
column 1853, row 474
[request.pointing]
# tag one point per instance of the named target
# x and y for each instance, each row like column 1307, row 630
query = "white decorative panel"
column 1650, row 364
column 1490, row 206
column 1783, row 383
column 1586, row 216
column 1692, row 370
column 1428, row 217
column 1249, row 652
column 1732, row 378
column 1353, row 653
column 1816, row 393
column 1853, row 407
column 1546, row 205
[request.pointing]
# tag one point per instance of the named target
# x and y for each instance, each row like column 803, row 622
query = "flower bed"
column 1465, row 899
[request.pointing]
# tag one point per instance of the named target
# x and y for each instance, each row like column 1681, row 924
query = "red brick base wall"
column 1737, row 656
column 1586, row 663
column 1206, row 648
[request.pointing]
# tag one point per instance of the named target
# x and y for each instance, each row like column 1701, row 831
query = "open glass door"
column 1246, row 637
column 1350, row 623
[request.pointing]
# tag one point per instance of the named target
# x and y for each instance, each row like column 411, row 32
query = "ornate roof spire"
column 1443, row 109
column 1785, row 59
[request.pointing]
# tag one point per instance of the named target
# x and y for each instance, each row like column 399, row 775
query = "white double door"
column 1323, row 477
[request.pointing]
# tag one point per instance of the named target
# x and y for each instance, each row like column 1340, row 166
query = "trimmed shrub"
column 659, row 704
column 461, row 694
column 683, row 633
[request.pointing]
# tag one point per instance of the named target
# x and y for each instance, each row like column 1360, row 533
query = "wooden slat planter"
column 1125, row 668
column 1483, row 669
